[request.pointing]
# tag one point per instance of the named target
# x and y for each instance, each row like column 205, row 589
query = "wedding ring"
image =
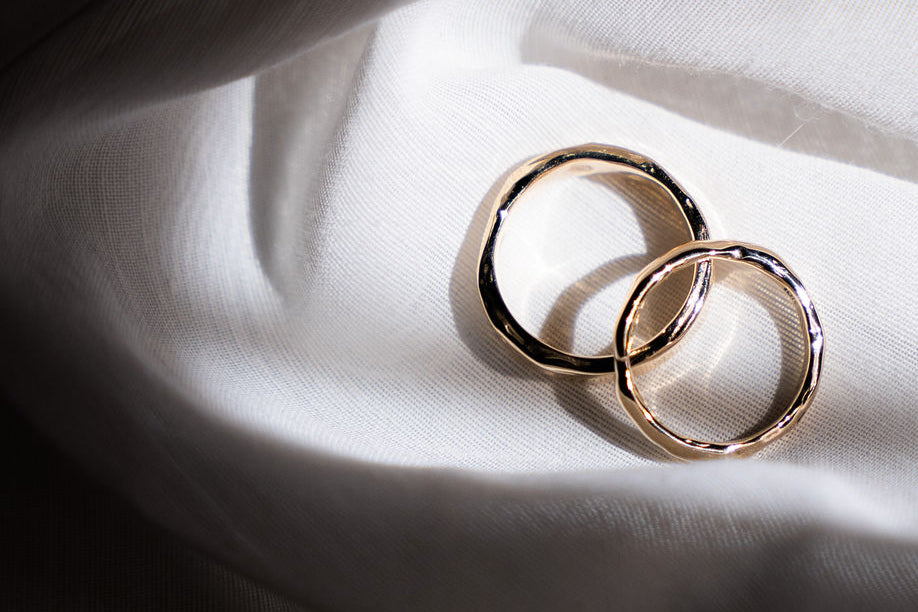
column 585, row 160
column 693, row 254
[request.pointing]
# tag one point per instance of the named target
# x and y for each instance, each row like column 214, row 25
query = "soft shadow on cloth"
column 581, row 528
column 70, row 543
column 740, row 105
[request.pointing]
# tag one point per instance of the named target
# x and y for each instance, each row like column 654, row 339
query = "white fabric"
column 239, row 271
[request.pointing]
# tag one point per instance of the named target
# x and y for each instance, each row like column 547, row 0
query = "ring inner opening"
column 739, row 366
column 573, row 244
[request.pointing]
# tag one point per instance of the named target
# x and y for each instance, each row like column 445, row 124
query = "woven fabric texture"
column 240, row 243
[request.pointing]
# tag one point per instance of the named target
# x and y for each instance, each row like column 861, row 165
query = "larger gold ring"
column 584, row 160
column 693, row 254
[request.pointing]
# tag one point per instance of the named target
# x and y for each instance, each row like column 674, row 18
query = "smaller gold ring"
column 586, row 159
column 694, row 253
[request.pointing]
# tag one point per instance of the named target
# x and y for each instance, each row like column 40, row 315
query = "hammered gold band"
column 692, row 254
column 698, row 252
column 585, row 160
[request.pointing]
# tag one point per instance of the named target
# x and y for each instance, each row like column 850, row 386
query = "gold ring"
column 692, row 254
column 584, row 160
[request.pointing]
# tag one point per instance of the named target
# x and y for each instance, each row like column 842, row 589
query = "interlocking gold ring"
column 586, row 159
column 692, row 254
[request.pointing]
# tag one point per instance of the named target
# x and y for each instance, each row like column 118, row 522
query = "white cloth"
column 239, row 279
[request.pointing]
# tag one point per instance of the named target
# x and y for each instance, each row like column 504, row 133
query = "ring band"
column 584, row 159
column 693, row 254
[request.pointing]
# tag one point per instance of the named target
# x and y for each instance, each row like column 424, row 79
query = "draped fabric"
column 240, row 245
